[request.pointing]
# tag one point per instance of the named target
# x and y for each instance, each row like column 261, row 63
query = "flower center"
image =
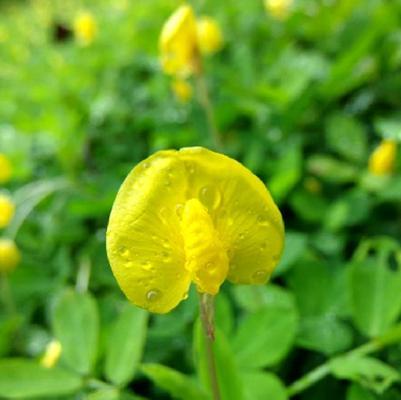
column 206, row 257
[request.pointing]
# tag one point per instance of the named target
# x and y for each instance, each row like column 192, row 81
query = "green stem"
column 204, row 100
column 390, row 337
column 207, row 318
column 6, row 294
column 83, row 275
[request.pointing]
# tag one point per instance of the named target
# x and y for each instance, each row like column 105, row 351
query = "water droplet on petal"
column 163, row 214
column 124, row 252
column 260, row 275
column 146, row 165
column 263, row 220
column 147, row 266
column 185, row 296
column 179, row 209
column 210, row 197
column 153, row 295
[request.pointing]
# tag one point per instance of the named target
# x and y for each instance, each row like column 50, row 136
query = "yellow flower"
column 191, row 215
column 9, row 255
column 177, row 43
column 278, row 9
column 85, row 28
column 52, row 354
column 7, row 209
column 381, row 161
column 210, row 38
column 182, row 90
column 5, row 169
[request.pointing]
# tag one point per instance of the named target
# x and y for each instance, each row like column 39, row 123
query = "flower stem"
column 7, row 297
column 207, row 318
column 392, row 336
column 204, row 100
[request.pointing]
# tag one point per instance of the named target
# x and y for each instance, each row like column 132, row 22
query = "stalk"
column 207, row 318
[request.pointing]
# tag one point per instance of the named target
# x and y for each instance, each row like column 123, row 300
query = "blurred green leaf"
column 265, row 336
column 390, row 127
column 357, row 392
column 331, row 169
column 125, row 345
column 295, row 245
column 347, row 137
column 75, row 324
column 262, row 386
column 374, row 293
column 367, row 371
column 178, row 385
column 23, row 378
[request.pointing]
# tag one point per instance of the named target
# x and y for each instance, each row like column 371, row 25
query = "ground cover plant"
column 304, row 94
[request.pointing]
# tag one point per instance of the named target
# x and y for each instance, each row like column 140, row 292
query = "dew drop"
column 153, row 295
column 190, row 167
column 147, row 266
column 241, row 236
column 263, row 220
column 146, row 165
column 210, row 197
column 185, row 296
column 260, row 275
column 163, row 214
column 179, row 210
column 124, row 252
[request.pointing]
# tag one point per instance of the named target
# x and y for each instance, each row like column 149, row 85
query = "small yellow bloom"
column 85, row 28
column 278, row 9
column 177, row 43
column 381, row 161
column 5, row 169
column 52, row 354
column 7, row 209
column 9, row 255
column 191, row 215
column 182, row 90
column 210, row 38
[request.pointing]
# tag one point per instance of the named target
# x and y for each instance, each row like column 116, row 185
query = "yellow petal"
column 182, row 90
column 243, row 212
column 52, row 354
column 159, row 236
column 206, row 256
column 5, row 169
column 178, row 42
column 144, row 243
column 7, row 209
column 381, row 161
column 278, row 9
column 210, row 38
column 9, row 255
column 85, row 28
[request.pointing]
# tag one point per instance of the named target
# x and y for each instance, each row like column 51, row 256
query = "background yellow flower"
column 5, row 169
column 9, row 255
column 7, row 209
column 210, row 38
column 85, row 28
column 381, row 161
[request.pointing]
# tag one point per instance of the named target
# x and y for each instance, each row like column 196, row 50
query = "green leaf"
column 375, row 295
column 29, row 196
column 23, row 378
column 262, row 386
column 125, row 345
column 326, row 334
column 357, row 392
column 75, row 324
column 367, row 371
column 295, row 244
column 104, row 394
column 265, row 337
column 176, row 384
column 346, row 136
column 331, row 169
column 258, row 297
column 389, row 128
column 228, row 374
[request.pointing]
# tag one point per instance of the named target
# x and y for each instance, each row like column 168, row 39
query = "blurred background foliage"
column 301, row 100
